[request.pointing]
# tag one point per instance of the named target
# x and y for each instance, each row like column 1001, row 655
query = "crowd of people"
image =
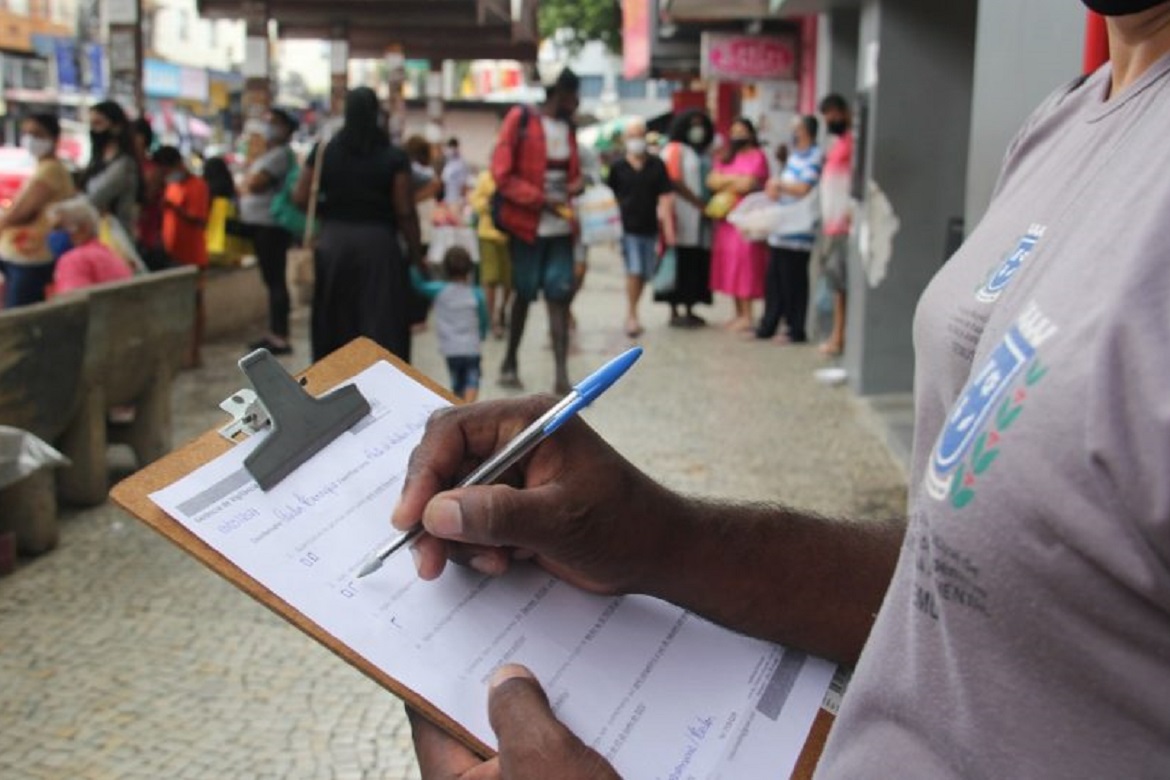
column 381, row 210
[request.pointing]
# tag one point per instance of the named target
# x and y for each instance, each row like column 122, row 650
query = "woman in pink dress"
column 738, row 265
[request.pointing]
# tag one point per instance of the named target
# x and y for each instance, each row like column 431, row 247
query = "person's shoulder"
column 50, row 171
column 278, row 156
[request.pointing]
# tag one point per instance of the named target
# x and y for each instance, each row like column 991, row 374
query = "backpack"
column 497, row 202
column 286, row 213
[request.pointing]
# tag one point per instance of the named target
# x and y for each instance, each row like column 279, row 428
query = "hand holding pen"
column 484, row 526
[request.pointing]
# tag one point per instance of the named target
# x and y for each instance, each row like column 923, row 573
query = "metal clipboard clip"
column 301, row 425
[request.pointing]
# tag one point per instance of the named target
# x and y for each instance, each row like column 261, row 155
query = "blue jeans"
column 465, row 372
column 25, row 284
column 641, row 255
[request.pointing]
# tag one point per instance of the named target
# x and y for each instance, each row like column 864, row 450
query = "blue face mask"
column 59, row 243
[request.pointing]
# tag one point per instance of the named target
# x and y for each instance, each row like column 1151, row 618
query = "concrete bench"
column 139, row 332
column 42, row 350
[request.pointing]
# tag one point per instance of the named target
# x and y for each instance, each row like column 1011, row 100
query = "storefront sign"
column 68, row 74
column 733, row 57
column 193, row 84
column 162, row 79
column 15, row 32
column 96, row 71
column 636, row 38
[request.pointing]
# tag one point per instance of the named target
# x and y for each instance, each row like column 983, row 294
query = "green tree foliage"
column 581, row 21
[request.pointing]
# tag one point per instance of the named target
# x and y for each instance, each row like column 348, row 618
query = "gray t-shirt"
column 115, row 191
column 458, row 317
column 1027, row 629
column 257, row 209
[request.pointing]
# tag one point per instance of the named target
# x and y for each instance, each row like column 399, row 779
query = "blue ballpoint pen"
column 491, row 469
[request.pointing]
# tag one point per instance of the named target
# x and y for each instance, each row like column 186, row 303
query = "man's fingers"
column 440, row 756
column 518, row 709
column 533, row 743
column 431, row 468
column 454, row 437
column 495, row 515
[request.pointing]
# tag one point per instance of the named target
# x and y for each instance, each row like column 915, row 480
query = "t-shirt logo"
column 986, row 397
column 990, row 292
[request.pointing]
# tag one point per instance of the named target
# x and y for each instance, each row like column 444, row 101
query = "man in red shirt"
column 186, row 205
column 537, row 172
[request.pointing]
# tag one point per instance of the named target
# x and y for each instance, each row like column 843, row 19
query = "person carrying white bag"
column 790, row 242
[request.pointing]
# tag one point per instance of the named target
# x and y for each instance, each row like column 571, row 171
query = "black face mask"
column 739, row 144
column 99, row 139
column 837, row 127
column 1120, row 7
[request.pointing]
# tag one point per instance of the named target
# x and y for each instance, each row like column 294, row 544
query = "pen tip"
column 370, row 567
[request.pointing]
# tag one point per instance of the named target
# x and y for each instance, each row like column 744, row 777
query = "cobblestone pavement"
column 120, row 657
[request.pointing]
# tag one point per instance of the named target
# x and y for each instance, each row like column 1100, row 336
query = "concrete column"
column 395, row 101
column 1009, row 52
column 126, row 53
column 434, row 98
column 915, row 74
column 257, row 61
column 837, row 42
column 338, row 69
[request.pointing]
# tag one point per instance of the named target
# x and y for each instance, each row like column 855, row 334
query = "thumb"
column 493, row 515
column 533, row 743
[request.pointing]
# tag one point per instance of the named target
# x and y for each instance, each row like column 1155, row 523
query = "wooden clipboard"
column 133, row 495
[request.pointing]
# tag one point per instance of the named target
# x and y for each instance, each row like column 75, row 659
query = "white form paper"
column 660, row 692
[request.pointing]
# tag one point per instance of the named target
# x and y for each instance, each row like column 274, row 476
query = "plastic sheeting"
column 22, row 453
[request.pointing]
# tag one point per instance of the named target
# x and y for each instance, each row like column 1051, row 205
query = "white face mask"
column 696, row 135
column 37, row 147
column 636, row 146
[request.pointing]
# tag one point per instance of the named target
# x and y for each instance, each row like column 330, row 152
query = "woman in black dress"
column 365, row 205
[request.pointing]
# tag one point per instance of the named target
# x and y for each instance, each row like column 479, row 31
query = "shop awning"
column 747, row 10
column 425, row 29
column 701, row 10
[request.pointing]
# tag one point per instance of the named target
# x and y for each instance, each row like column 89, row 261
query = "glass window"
column 592, row 86
column 631, row 89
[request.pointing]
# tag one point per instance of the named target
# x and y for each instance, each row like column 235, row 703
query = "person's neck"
column 636, row 160
column 1136, row 42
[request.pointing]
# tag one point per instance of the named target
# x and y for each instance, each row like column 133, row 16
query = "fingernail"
column 484, row 564
column 444, row 518
column 509, row 672
column 416, row 555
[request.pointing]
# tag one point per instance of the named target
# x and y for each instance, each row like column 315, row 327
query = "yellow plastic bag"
column 721, row 204
column 221, row 209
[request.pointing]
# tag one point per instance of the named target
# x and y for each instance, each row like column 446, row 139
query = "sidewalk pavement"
column 121, row 657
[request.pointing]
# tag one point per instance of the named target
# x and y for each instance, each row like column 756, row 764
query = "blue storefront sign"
column 68, row 74
column 95, row 55
column 162, row 79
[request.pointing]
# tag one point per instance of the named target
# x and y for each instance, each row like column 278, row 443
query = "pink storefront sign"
column 731, row 57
